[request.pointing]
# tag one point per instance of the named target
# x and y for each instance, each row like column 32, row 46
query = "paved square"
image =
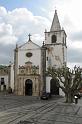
column 32, row 110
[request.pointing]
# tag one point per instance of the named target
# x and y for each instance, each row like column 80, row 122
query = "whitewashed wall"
column 48, row 84
column 36, row 55
column 56, row 56
column 48, row 37
column 65, row 54
column 5, row 80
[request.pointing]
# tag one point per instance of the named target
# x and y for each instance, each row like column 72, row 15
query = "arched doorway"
column 54, row 90
column 28, row 87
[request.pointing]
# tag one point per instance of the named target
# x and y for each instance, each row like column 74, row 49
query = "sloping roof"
column 29, row 42
column 55, row 23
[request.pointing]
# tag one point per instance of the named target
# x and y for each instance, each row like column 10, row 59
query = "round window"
column 28, row 54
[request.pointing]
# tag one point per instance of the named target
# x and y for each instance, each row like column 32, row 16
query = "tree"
column 68, row 80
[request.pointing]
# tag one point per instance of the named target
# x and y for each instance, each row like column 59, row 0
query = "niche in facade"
column 53, row 38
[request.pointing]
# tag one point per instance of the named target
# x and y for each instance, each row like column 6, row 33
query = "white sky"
column 16, row 24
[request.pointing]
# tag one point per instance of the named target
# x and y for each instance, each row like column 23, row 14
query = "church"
column 31, row 62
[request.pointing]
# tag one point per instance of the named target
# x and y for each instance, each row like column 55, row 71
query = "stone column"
column 9, row 76
column 15, row 69
column 43, row 68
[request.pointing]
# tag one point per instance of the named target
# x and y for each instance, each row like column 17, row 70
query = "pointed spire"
column 55, row 23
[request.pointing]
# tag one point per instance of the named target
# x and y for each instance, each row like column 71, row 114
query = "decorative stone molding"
column 28, row 69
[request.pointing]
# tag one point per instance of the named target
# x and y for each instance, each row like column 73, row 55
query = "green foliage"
column 3, row 66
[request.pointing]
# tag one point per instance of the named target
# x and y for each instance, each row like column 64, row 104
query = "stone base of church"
column 20, row 93
column 36, row 93
column 28, row 85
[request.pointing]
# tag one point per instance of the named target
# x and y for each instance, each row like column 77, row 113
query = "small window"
column 54, row 38
column 47, row 58
column 28, row 54
column 2, row 81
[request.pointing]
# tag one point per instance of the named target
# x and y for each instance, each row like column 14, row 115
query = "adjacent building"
column 4, row 78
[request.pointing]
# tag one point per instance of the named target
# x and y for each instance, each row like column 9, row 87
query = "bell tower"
column 55, row 42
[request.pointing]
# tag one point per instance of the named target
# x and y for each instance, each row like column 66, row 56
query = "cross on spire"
column 55, row 10
column 29, row 37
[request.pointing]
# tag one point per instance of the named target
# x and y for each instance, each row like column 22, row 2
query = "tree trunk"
column 69, row 97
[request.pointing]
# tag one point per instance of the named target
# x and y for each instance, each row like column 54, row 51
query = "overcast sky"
column 18, row 18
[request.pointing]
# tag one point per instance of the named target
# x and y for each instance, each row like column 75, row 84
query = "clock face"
column 29, row 54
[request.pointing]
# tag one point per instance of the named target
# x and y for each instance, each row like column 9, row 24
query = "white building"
column 56, row 53
column 4, row 78
column 31, row 62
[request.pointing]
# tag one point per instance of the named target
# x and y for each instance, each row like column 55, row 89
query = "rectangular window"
column 2, row 81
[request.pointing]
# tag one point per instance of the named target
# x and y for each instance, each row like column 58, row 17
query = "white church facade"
column 31, row 62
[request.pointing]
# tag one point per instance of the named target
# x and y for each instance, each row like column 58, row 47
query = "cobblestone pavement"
column 32, row 110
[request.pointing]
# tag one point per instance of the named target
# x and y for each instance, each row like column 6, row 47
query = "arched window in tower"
column 53, row 38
